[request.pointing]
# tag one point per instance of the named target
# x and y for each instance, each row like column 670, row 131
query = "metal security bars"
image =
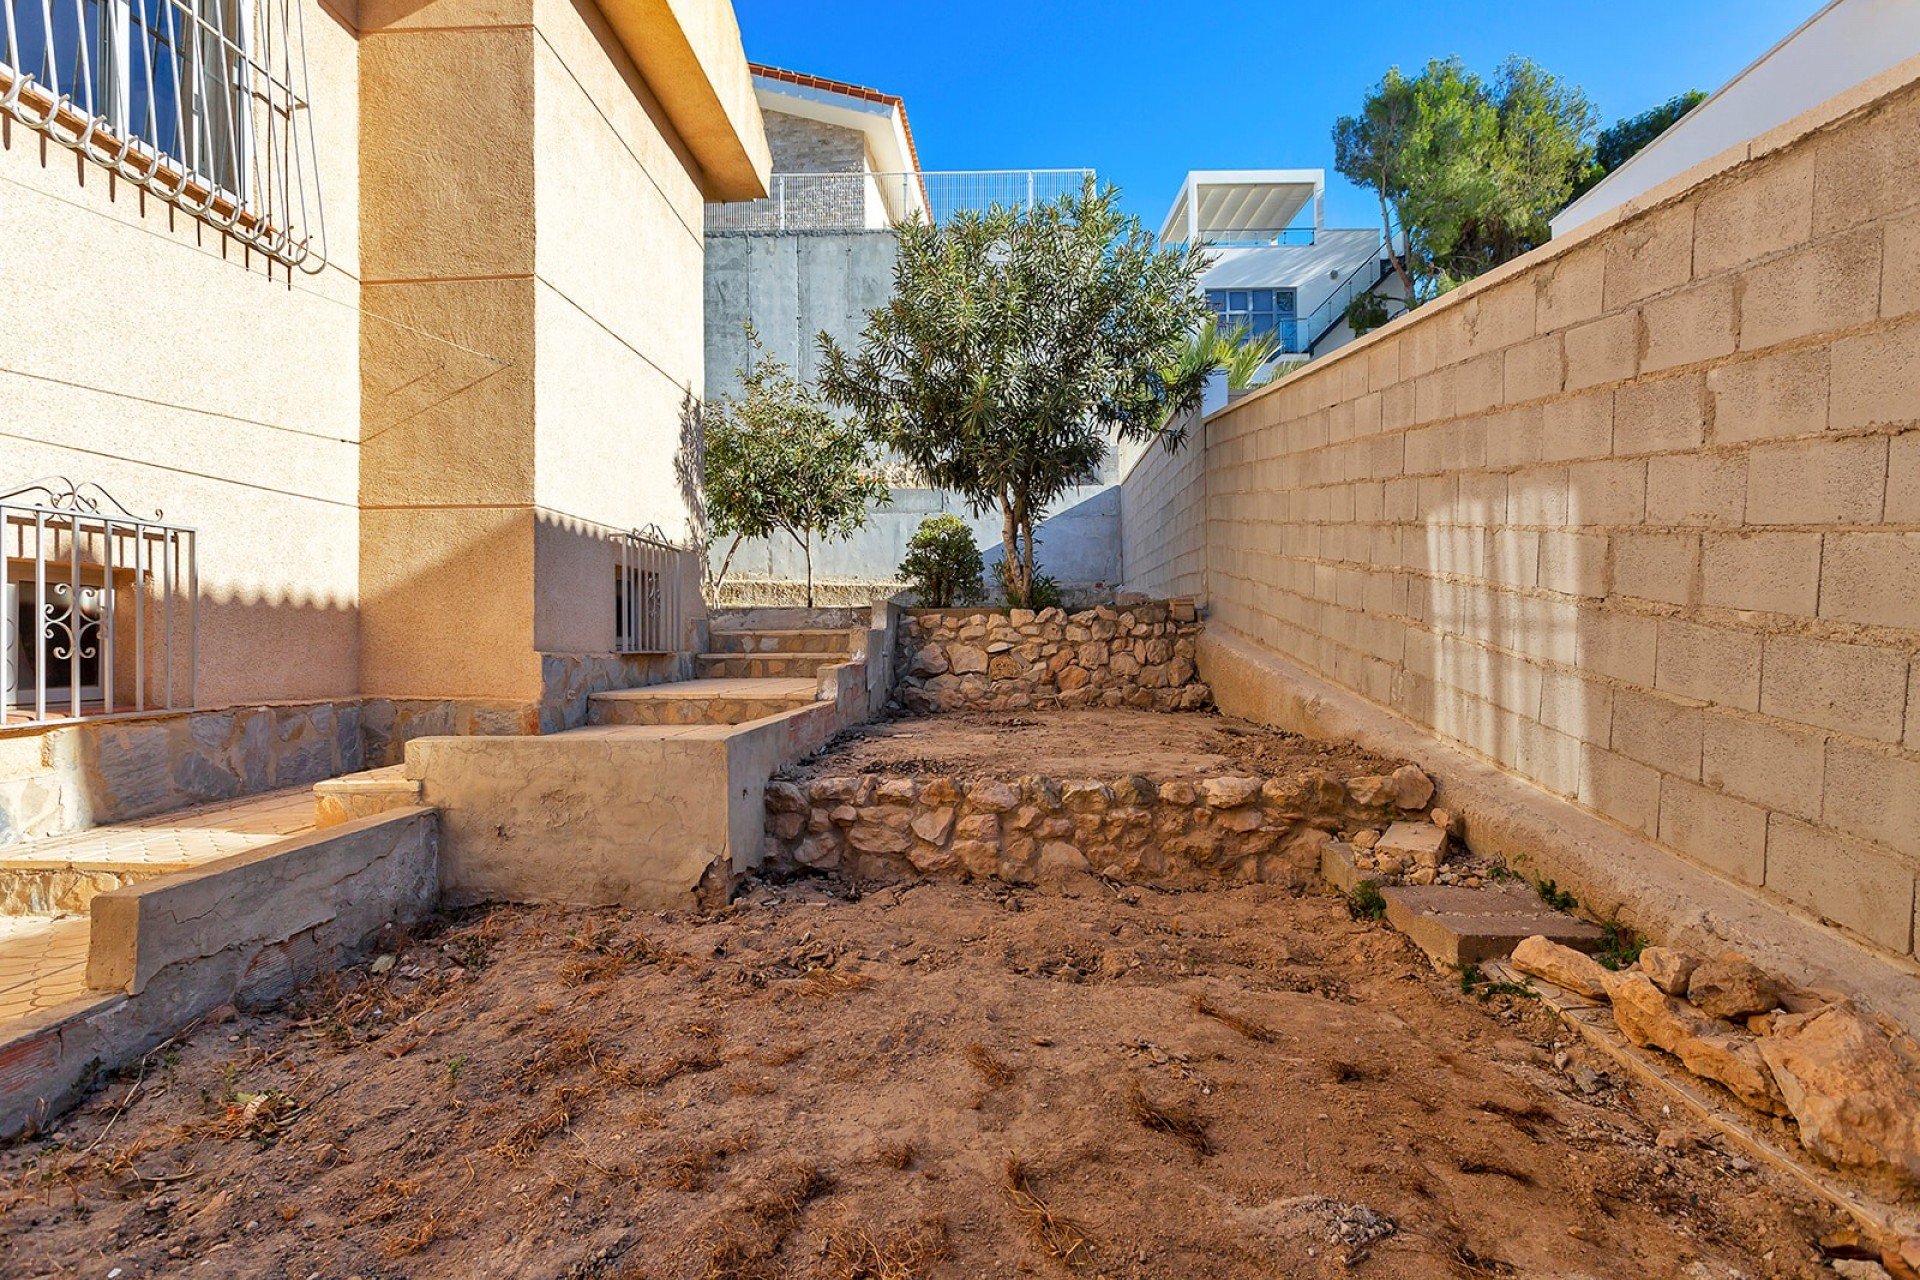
column 875, row 201
column 101, row 613
column 647, row 593
column 201, row 102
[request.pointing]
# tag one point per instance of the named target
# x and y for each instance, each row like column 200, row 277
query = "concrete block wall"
column 1163, row 536
column 1637, row 517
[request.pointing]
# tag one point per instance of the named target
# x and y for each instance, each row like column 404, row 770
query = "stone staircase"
column 751, row 673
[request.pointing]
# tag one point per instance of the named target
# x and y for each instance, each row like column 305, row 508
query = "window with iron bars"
column 202, row 102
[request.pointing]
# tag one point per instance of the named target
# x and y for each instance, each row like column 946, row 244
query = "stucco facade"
column 407, row 471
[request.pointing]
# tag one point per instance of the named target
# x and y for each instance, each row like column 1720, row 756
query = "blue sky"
column 1144, row 92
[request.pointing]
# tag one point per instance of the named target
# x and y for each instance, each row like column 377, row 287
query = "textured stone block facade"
column 972, row 660
column 1174, row 831
column 1633, row 517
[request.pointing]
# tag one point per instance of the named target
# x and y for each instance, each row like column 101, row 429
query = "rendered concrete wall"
column 1636, row 517
column 146, row 352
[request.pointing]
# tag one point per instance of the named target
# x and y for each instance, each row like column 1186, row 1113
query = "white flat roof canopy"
column 1242, row 204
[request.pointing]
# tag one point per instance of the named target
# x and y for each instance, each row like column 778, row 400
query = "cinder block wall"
column 1163, row 532
column 1636, row 517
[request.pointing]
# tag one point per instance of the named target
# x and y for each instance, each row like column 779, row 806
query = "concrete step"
column 764, row 666
column 361, row 795
column 710, row 701
column 63, row 873
column 1458, row 926
column 809, row 640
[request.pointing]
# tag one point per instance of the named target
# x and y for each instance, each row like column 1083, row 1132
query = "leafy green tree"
column 1016, row 345
column 943, row 563
column 1466, row 171
column 1620, row 141
column 777, row 460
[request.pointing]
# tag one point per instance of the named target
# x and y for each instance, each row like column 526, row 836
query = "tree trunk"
column 1015, row 561
column 1386, row 224
column 726, row 563
column 1026, row 551
column 806, row 544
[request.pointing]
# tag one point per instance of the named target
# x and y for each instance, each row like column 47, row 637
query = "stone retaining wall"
column 988, row 660
column 1170, row 831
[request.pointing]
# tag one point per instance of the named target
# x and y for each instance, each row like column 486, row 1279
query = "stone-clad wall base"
column 1175, row 832
column 975, row 660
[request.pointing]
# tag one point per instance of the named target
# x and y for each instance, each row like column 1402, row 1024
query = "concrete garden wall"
column 1179, row 831
column 979, row 660
column 1636, row 517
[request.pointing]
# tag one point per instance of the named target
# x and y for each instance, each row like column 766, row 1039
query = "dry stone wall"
column 1636, row 517
column 1139, row 656
column 1180, row 831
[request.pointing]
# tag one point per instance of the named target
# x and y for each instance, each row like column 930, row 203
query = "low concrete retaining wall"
column 246, row 929
column 978, row 660
column 1169, row 831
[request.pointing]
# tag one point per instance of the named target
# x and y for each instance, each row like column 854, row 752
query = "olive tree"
column 1017, row 344
column 778, row 460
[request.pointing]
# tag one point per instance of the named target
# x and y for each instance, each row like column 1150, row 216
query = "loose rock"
column 1853, row 1087
column 1732, row 988
column 1669, row 968
column 1563, row 966
column 1649, row 1017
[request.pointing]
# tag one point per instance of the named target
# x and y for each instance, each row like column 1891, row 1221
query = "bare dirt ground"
column 1086, row 744
column 932, row 1080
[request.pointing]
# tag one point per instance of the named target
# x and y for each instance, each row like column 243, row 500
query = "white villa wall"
column 1845, row 43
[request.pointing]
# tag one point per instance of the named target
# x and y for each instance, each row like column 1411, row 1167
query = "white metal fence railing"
column 101, row 607
column 648, row 593
column 875, row 201
column 201, row 102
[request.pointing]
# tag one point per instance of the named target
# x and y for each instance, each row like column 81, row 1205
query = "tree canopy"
column 1620, row 141
column 1017, row 344
column 777, row 460
column 1467, row 170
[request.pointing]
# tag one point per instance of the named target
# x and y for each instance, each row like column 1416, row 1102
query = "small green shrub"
column 1367, row 312
column 1623, row 947
column 1365, row 902
column 1044, row 593
column 1554, row 896
column 943, row 563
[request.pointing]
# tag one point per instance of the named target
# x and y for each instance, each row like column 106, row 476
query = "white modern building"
column 1277, row 267
column 1845, row 43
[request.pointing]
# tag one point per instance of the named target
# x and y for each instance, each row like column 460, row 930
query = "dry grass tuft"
column 825, row 983
column 995, row 1072
column 897, row 1155
column 1174, row 1121
column 1058, row 1236
column 759, row 1226
column 529, row 1134
column 899, row 1255
column 406, row 1243
column 652, row 1073
column 1251, row 1030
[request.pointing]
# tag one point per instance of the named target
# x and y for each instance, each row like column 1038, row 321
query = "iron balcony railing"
column 203, row 103
column 101, row 607
column 875, row 201
column 649, row 616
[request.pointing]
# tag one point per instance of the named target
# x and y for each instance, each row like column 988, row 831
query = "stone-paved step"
column 43, row 966
column 764, row 666
column 707, row 701
column 63, row 873
column 1458, row 926
column 813, row 640
column 361, row 795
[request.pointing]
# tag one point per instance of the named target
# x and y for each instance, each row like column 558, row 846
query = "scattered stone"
column 1422, row 844
column 1366, row 839
column 1412, row 788
column 1853, row 1087
column 1229, row 793
column 1458, row 926
column 1669, row 968
column 1441, row 818
column 1732, row 988
column 1649, row 1017
column 1563, row 966
column 1371, row 790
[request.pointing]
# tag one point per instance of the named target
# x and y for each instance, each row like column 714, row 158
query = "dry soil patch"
column 932, row 1080
column 1090, row 744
